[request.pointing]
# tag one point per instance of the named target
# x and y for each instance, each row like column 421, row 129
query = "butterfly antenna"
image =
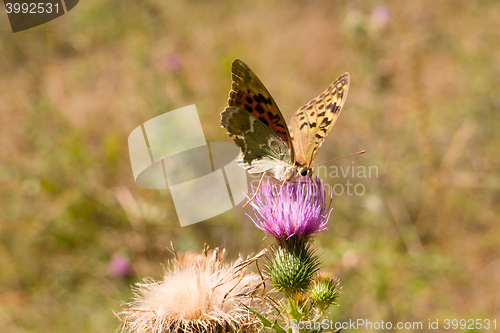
column 336, row 159
column 258, row 188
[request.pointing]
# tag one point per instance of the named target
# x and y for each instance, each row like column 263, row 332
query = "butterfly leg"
column 279, row 195
column 257, row 191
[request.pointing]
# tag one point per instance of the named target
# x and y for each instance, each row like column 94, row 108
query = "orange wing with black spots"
column 248, row 92
column 312, row 123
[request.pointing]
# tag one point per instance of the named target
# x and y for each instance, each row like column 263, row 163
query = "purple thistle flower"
column 119, row 266
column 301, row 210
column 381, row 17
column 173, row 61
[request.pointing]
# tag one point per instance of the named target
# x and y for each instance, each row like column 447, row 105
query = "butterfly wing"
column 248, row 92
column 311, row 123
column 261, row 149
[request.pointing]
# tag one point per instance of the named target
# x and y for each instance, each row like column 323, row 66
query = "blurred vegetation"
column 421, row 243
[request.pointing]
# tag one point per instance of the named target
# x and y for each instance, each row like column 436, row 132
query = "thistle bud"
column 325, row 291
column 293, row 271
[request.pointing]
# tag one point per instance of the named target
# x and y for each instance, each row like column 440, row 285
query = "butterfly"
column 256, row 125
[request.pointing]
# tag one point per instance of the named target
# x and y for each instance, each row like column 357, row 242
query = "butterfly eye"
column 304, row 172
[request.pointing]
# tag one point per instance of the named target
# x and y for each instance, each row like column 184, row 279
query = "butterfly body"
column 255, row 123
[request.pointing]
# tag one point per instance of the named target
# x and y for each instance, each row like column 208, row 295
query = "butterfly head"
column 305, row 171
column 295, row 172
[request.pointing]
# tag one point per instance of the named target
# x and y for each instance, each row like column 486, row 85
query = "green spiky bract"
column 325, row 291
column 292, row 269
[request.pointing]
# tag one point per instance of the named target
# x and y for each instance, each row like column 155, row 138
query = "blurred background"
column 421, row 243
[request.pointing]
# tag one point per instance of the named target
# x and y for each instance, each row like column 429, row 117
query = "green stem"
column 293, row 310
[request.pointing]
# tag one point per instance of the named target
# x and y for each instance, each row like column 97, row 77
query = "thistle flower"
column 381, row 17
column 119, row 266
column 200, row 294
column 173, row 61
column 299, row 211
column 325, row 291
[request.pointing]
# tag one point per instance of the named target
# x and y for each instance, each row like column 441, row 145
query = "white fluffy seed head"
column 200, row 293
